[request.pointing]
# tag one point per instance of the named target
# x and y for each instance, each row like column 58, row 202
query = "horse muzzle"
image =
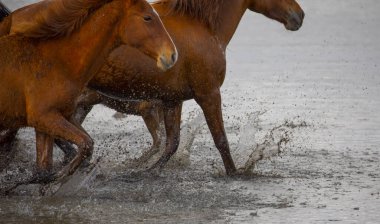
column 166, row 61
column 294, row 20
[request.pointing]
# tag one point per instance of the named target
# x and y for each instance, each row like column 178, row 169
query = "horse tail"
column 5, row 23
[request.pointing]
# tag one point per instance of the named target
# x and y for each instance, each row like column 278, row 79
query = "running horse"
column 44, row 68
column 201, row 31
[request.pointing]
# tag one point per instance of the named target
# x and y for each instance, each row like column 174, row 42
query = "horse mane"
column 205, row 11
column 62, row 17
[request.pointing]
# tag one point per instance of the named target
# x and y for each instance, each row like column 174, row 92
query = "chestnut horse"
column 45, row 68
column 201, row 30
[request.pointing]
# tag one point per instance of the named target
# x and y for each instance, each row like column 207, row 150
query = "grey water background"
column 325, row 75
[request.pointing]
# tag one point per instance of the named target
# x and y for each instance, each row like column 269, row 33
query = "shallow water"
column 325, row 76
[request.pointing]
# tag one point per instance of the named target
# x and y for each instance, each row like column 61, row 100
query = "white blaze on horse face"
column 164, row 61
column 154, row 10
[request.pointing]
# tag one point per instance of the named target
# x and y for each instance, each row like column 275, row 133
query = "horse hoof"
column 43, row 177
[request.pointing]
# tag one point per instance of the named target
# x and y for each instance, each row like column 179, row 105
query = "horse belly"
column 130, row 75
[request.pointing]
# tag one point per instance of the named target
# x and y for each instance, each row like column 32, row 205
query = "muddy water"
column 322, row 83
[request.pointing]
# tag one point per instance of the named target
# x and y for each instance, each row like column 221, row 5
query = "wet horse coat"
column 44, row 69
column 201, row 30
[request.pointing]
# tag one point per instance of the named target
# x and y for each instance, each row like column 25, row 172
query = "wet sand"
column 323, row 79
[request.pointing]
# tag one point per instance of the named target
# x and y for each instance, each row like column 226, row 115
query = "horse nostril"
column 174, row 57
column 302, row 15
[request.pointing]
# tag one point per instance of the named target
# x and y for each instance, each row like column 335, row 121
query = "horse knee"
column 86, row 146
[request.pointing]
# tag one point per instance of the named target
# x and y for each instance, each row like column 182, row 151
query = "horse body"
column 139, row 78
column 201, row 30
column 41, row 80
column 200, row 70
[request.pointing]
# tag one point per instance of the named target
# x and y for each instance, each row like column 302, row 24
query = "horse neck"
column 85, row 51
column 229, row 17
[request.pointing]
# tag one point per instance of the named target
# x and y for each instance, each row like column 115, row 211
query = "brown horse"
column 44, row 68
column 201, row 30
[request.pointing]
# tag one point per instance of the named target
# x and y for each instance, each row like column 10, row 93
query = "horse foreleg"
column 172, row 119
column 86, row 102
column 56, row 125
column 44, row 146
column 211, row 106
column 67, row 148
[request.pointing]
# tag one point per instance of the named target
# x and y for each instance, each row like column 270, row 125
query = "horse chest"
column 12, row 110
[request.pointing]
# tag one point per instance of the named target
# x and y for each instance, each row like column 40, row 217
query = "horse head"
column 142, row 28
column 287, row 12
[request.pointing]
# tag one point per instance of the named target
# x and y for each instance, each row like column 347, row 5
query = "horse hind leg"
column 152, row 114
column 153, row 117
column 172, row 118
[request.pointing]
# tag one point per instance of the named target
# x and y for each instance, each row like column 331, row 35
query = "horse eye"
column 147, row 18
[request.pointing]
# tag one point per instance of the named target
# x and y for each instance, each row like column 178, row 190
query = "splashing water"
column 263, row 144
column 182, row 157
column 255, row 143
